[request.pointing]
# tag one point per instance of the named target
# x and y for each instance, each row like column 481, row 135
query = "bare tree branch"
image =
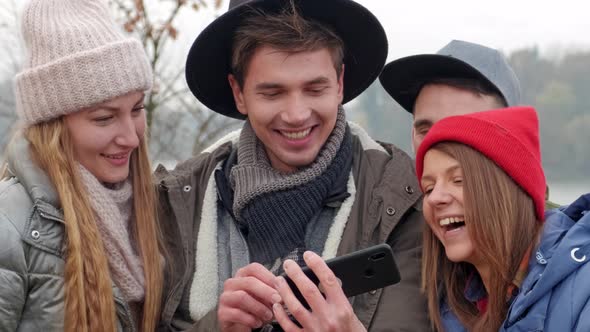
column 10, row 53
column 174, row 116
column 183, row 126
column 11, row 59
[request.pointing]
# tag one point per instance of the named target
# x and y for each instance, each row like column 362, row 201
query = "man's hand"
column 332, row 313
column 247, row 299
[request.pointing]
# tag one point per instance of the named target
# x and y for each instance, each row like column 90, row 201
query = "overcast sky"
column 424, row 26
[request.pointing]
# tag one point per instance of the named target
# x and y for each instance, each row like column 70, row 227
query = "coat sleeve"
column 13, row 280
column 583, row 319
column 407, row 306
column 208, row 323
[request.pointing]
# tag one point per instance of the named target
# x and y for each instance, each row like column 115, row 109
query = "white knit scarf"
column 113, row 210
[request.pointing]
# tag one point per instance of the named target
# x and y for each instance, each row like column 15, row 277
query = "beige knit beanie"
column 76, row 58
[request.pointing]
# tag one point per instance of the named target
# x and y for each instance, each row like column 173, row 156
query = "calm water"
column 566, row 192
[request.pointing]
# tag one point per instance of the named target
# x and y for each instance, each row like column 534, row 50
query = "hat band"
column 82, row 80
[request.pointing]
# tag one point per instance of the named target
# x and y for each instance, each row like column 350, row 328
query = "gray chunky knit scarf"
column 275, row 208
column 113, row 210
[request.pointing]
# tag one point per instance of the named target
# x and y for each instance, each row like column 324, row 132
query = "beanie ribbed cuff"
column 82, row 80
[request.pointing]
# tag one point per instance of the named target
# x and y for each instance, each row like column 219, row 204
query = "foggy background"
column 547, row 44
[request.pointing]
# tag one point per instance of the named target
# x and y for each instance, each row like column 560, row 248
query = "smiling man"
column 297, row 177
column 290, row 100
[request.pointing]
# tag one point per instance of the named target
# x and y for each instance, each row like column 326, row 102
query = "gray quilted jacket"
column 32, row 251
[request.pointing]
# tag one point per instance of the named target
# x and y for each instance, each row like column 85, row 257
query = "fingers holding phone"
column 329, row 284
column 329, row 312
column 247, row 299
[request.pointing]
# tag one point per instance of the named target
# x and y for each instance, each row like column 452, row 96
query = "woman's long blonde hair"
column 502, row 226
column 89, row 302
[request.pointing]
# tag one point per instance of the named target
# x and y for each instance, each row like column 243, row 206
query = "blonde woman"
column 80, row 249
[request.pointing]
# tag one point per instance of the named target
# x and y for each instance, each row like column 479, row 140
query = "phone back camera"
column 378, row 256
column 369, row 273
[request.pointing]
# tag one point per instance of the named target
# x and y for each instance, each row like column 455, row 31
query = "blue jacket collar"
column 564, row 247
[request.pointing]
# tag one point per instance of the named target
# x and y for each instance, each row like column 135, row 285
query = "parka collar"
column 33, row 178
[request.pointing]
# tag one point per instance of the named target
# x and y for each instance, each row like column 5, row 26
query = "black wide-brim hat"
column 209, row 59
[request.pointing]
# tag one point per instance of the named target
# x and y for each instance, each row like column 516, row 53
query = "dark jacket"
column 386, row 208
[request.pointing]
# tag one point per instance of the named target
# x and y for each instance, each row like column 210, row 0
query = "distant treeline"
column 558, row 89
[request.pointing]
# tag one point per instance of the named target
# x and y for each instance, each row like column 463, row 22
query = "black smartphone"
column 359, row 272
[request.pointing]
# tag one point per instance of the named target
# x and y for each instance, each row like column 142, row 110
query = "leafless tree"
column 9, row 36
column 10, row 62
column 171, row 105
column 179, row 124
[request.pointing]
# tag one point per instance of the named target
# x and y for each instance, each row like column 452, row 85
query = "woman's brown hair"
column 501, row 222
column 89, row 302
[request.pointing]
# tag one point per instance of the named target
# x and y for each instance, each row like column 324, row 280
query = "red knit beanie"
column 508, row 136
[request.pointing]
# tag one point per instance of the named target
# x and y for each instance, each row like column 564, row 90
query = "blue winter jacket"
column 555, row 295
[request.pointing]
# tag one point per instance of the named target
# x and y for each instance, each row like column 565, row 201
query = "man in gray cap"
column 460, row 78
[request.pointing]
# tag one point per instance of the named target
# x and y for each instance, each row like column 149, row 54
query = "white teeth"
column 116, row 157
column 296, row 135
column 450, row 220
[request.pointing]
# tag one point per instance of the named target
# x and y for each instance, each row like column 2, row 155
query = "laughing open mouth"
column 452, row 223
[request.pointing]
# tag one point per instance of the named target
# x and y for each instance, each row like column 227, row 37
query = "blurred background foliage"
column 559, row 88
column 557, row 85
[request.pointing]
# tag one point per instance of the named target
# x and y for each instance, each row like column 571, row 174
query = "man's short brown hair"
column 286, row 31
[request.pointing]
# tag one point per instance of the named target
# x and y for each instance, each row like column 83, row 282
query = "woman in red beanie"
column 492, row 260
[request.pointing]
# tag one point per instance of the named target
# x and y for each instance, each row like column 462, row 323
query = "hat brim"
column 402, row 78
column 209, row 59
